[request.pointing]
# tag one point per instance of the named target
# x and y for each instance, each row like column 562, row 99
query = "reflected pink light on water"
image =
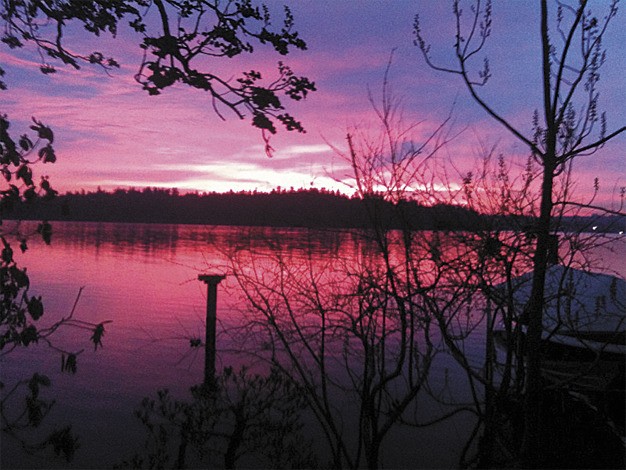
column 143, row 278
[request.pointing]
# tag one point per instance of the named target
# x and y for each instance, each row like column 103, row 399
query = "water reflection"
column 161, row 239
column 144, row 279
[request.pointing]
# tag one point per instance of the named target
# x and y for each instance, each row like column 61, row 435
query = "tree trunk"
column 485, row 450
column 236, row 437
column 532, row 438
column 532, row 402
column 372, row 453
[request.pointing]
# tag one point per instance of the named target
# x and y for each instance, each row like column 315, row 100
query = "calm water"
column 143, row 278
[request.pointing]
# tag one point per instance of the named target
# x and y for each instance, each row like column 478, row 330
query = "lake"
column 143, row 279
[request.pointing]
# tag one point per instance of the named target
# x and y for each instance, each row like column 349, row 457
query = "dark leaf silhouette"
column 69, row 365
column 97, row 335
column 35, row 308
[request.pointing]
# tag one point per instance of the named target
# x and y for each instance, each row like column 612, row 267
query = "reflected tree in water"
column 241, row 417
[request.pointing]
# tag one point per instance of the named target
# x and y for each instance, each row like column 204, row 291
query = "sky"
column 109, row 133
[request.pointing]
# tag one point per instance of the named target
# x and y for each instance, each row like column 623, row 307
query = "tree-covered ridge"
column 278, row 208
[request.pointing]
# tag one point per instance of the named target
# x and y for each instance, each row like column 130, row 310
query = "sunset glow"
column 109, row 133
column 312, row 233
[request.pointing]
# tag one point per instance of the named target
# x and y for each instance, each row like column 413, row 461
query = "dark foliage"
column 294, row 208
column 19, row 310
column 179, row 40
column 242, row 415
column 181, row 43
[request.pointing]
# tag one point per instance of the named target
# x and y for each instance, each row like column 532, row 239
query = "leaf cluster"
column 44, row 23
column 188, row 36
column 23, row 412
column 16, row 160
column 19, row 309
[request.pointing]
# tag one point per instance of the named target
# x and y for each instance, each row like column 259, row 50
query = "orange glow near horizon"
column 110, row 134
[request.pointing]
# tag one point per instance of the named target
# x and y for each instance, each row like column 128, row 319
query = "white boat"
column 584, row 335
column 583, row 311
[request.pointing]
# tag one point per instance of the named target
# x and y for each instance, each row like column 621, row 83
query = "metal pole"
column 211, row 280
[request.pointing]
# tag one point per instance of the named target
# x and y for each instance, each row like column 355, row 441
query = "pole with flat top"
column 211, row 280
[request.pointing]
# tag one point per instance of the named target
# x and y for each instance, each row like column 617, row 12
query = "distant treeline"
column 279, row 208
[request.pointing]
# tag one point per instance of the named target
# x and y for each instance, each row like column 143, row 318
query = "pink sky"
column 109, row 133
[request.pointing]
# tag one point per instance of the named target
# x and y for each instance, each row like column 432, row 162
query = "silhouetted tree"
column 298, row 208
column 413, row 293
column 20, row 311
column 358, row 335
column 569, row 125
column 181, row 41
column 345, row 336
